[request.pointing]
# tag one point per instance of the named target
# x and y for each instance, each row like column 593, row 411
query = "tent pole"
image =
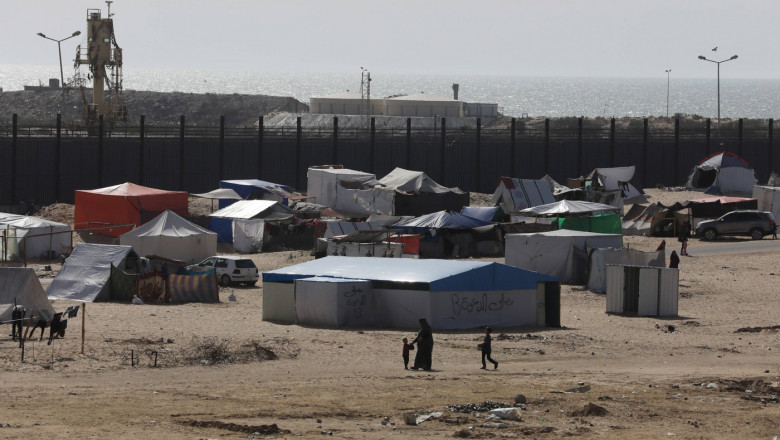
column 83, row 323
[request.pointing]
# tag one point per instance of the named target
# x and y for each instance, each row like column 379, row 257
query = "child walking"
column 405, row 352
column 486, row 349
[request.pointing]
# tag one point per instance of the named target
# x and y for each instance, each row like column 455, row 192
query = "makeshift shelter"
column 85, row 274
column 562, row 253
column 641, row 290
column 23, row 237
column 613, row 186
column 223, row 222
column 514, row 194
column 192, row 287
column 569, row 207
column 20, row 285
column 722, row 173
column 601, row 258
column 254, row 189
column 768, row 198
column 417, row 194
column 449, row 234
column 329, row 185
column 171, row 236
column 579, row 215
column 485, row 213
column 219, row 194
column 451, row 295
column 124, row 204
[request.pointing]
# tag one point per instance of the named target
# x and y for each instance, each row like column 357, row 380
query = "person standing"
column 486, row 347
column 405, row 352
column 773, row 228
column 685, row 233
column 424, row 340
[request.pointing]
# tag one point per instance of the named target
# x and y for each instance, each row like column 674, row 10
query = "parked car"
column 752, row 223
column 231, row 269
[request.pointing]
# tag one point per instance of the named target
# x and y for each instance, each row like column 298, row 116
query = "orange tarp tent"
column 124, row 204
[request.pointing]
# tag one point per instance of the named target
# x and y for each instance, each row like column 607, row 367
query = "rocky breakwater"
column 40, row 107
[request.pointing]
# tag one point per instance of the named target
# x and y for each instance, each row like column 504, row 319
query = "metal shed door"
column 648, row 292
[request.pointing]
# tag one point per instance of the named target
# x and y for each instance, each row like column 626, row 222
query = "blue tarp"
column 440, row 275
column 442, row 220
column 484, row 213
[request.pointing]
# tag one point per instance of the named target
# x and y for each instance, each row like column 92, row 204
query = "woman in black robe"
column 424, row 341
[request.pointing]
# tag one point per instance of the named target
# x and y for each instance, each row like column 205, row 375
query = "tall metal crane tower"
column 104, row 58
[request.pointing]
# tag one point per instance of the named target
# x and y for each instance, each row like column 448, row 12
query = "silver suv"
column 752, row 223
column 230, row 269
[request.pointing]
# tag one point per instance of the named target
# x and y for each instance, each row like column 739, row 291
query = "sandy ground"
column 217, row 371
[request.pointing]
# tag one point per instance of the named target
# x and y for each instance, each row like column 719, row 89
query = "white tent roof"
column 515, row 194
column 22, row 284
column 85, row 274
column 38, row 246
column 219, row 193
column 245, row 209
column 568, row 207
column 413, row 182
column 171, row 236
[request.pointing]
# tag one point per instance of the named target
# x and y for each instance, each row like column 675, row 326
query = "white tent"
column 568, row 207
column 408, row 181
column 323, row 186
column 722, row 173
column 449, row 294
column 600, row 258
column 21, row 284
column 32, row 237
column 250, row 214
column 514, row 194
column 171, row 236
column 85, row 274
column 562, row 253
column 768, row 199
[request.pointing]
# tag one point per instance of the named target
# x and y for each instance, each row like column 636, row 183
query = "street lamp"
column 702, row 57
column 59, row 49
column 667, row 92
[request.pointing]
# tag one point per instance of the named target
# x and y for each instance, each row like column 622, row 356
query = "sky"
column 540, row 38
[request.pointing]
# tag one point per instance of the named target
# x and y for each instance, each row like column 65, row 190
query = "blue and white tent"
column 449, row 294
column 256, row 189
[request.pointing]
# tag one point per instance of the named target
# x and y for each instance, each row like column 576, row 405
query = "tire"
column 225, row 280
column 756, row 234
column 710, row 234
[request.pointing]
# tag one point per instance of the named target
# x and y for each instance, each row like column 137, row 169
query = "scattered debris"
column 590, row 409
column 477, row 407
column 756, row 329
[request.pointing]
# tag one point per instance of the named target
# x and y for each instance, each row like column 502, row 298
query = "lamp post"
column 59, row 49
column 702, row 57
column 667, row 91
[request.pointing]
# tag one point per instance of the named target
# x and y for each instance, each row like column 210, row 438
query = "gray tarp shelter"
column 722, row 173
column 32, row 237
column 21, row 285
column 85, row 274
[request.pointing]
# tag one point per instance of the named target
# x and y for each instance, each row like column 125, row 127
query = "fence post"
column 260, row 134
column 181, row 153
column 479, row 154
column 335, row 154
column 141, row 146
column 58, row 158
column 408, row 143
column 676, row 151
column 770, row 146
column 443, row 152
column 546, row 145
column 612, row 142
column 14, row 153
column 739, row 138
column 580, row 124
column 298, row 139
column 644, row 152
column 373, row 143
column 100, row 150
column 512, row 148
column 221, row 147
column 708, row 127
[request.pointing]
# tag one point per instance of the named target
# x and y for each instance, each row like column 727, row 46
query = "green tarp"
column 122, row 285
column 605, row 223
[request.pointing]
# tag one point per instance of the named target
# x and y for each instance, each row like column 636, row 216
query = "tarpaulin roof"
column 85, row 274
column 220, row 193
column 443, row 220
column 21, row 285
column 440, row 275
column 246, row 209
column 408, row 181
column 171, row 236
column 569, row 207
column 128, row 189
column 484, row 213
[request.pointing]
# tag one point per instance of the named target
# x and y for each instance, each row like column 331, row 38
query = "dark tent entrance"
column 703, row 178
